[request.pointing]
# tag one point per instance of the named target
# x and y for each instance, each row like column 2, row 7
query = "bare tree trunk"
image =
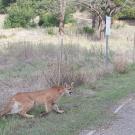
column 93, row 21
column 101, row 28
column 61, row 32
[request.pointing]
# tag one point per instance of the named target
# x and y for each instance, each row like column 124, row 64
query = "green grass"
column 81, row 112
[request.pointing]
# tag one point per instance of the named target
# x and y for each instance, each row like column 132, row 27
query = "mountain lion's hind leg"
column 26, row 107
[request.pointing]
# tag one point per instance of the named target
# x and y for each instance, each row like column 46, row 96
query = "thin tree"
column 101, row 8
column 62, row 10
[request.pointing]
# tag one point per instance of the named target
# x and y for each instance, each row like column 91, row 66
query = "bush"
column 4, row 4
column 21, row 12
column 7, row 2
column 19, row 15
column 50, row 31
column 69, row 19
column 88, row 30
column 126, row 13
column 1, row 6
column 48, row 20
column 120, row 63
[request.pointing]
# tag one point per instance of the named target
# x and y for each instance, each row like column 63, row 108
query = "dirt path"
column 125, row 124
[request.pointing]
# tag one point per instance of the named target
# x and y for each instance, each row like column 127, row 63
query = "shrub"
column 7, row 2
column 19, row 15
column 69, row 19
column 4, row 4
column 2, row 36
column 48, row 20
column 1, row 7
column 126, row 13
column 50, row 31
column 120, row 63
column 88, row 30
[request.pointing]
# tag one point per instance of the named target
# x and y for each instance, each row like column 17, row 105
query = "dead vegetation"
column 120, row 63
column 27, row 67
column 29, row 59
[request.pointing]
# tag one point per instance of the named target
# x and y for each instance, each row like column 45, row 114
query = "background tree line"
column 21, row 12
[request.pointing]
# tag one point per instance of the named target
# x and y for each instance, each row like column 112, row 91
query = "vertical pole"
column 134, row 50
column 107, row 33
column 107, row 51
column 61, row 32
column 60, row 59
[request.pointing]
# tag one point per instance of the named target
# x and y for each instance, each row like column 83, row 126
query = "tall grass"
column 120, row 63
column 26, row 66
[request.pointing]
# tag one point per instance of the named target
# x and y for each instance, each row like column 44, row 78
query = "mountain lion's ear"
column 65, row 85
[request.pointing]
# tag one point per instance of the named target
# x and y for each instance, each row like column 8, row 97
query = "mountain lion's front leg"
column 48, row 108
column 56, row 108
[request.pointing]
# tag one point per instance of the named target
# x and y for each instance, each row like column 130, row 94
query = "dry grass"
column 122, row 37
column 29, row 61
column 120, row 63
column 26, row 66
column 29, row 58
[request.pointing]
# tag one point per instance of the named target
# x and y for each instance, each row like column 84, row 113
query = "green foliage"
column 69, row 14
column 127, row 13
column 7, row 2
column 4, row 4
column 20, row 12
column 128, row 9
column 50, row 31
column 48, row 20
column 119, row 2
column 1, row 7
column 19, row 15
column 88, row 30
column 69, row 19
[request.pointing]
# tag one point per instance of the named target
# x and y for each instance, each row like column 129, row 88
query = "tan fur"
column 23, row 102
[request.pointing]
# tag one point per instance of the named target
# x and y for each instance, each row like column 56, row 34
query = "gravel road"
column 125, row 124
